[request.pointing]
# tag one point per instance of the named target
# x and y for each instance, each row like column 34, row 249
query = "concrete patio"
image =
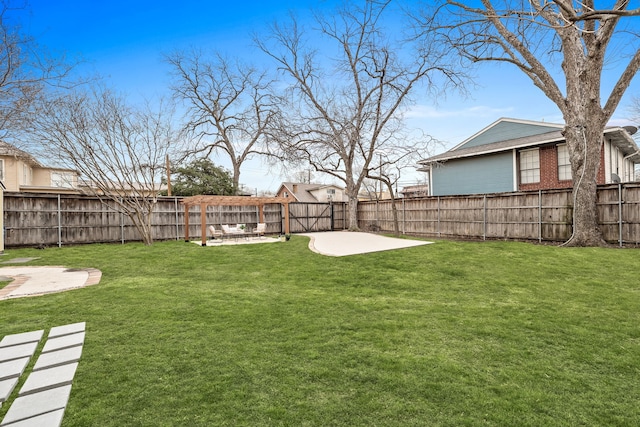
column 343, row 243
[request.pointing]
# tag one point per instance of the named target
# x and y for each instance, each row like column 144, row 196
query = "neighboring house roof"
column 376, row 195
column 505, row 129
column 508, row 134
column 416, row 187
column 415, row 190
column 9, row 150
column 125, row 186
column 303, row 192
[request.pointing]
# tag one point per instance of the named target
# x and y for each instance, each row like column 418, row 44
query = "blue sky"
column 124, row 41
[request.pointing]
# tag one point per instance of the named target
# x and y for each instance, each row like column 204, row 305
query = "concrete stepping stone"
column 6, row 387
column 31, row 405
column 50, row 419
column 57, row 358
column 73, row 328
column 23, row 338
column 64, row 341
column 13, row 368
column 42, row 400
column 17, row 351
column 49, row 378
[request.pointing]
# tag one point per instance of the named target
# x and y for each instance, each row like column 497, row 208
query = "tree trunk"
column 143, row 225
column 394, row 210
column 585, row 121
column 585, row 146
column 236, row 178
column 353, row 213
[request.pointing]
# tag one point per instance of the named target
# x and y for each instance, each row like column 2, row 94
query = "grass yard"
column 449, row 334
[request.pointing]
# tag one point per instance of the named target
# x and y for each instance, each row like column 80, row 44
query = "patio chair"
column 261, row 228
column 215, row 233
column 227, row 230
column 234, row 232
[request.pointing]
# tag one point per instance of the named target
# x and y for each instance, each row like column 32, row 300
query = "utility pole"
column 380, row 173
column 168, row 177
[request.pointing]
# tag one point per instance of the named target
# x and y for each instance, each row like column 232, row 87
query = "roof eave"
column 437, row 159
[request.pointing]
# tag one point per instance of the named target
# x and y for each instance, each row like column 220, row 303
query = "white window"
column 529, row 166
column 62, row 179
column 27, row 175
column 331, row 191
column 564, row 165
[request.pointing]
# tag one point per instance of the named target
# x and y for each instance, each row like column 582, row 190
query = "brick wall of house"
column 600, row 178
column 549, row 171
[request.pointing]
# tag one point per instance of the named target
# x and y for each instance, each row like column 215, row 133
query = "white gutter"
column 515, row 170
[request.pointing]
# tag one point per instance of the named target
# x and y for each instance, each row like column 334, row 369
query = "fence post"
column 439, row 234
column 121, row 226
column 539, row 216
column 620, row 213
column 175, row 209
column 404, row 217
column 484, row 218
column 331, row 226
column 59, row 223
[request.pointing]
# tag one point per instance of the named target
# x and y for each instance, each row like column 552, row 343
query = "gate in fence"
column 309, row 217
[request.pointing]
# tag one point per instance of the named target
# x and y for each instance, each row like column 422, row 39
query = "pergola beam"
column 234, row 200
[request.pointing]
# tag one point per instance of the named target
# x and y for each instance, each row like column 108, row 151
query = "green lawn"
column 451, row 334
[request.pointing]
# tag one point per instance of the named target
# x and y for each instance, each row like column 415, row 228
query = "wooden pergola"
column 204, row 201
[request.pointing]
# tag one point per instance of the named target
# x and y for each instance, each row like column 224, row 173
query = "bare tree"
column 301, row 176
column 393, row 161
column 26, row 69
column 634, row 110
column 564, row 48
column 344, row 106
column 229, row 105
column 118, row 149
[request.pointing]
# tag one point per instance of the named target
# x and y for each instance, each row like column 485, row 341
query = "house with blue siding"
column 520, row 155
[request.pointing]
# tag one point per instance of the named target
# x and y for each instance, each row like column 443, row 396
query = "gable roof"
column 303, row 192
column 10, row 150
column 495, row 147
column 506, row 129
column 508, row 134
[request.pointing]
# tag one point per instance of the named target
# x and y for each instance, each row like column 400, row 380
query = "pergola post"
column 286, row 218
column 186, row 223
column 203, row 222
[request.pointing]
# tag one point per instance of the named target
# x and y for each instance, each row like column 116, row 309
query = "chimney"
column 295, row 188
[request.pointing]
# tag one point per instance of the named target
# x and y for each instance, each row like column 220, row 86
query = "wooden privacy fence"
column 32, row 219
column 49, row 219
column 539, row 215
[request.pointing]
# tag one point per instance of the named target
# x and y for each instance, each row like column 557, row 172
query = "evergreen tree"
column 202, row 177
